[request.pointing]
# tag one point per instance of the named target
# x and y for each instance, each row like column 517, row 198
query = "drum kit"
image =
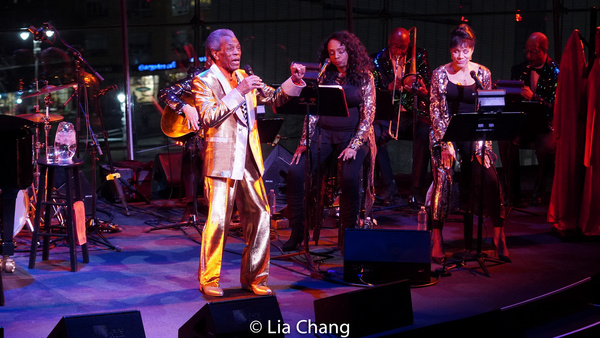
column 25, row 202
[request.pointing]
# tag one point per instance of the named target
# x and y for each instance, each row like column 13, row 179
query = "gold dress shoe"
column 214, row 291
column 260, row 290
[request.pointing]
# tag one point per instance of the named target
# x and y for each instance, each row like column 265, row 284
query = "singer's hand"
column 191, row 116
column 298, row 154
column 298, row 71
column 249, row 83
column 527, row 93
column 347, row 154
column 487, row 164
column 448, row 156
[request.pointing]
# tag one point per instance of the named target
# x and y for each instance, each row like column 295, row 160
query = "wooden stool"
column 46, row 199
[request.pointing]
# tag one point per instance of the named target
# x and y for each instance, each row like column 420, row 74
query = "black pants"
column 470, row 182
column 349, row 180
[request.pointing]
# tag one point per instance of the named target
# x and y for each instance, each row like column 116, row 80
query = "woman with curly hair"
column 350, row 138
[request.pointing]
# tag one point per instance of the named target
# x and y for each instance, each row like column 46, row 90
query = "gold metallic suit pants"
column 251, row 200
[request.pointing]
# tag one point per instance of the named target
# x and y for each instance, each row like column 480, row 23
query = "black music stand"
column 319, row 100
column 535, row 122
column 384, row 109
column 474, row 127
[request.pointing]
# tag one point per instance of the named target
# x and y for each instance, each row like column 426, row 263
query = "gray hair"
column 213, row 42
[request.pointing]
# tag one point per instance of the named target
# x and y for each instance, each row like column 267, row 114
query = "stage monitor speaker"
column 235, row 318
column 276, row 168
column 365, row 312
column 115, row 324
column 379, row 256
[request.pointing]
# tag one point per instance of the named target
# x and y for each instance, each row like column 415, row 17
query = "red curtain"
column 590, row 205
column 569, row 133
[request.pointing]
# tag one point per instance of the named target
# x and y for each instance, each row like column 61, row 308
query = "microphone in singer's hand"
column 325, row 64
column 474, row 76
column 249, row 71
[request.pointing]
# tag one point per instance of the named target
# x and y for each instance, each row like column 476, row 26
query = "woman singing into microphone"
column 347, row 138
column 453, row 89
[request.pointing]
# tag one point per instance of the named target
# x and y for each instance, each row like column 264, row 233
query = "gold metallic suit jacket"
column 440, row 117
column 227, row 134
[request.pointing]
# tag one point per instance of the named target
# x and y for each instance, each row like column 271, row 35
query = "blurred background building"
column 163, row 38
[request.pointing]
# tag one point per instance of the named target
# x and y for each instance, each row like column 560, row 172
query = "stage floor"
column 155, row 272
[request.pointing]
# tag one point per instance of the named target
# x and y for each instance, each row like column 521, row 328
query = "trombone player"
column 404, row 71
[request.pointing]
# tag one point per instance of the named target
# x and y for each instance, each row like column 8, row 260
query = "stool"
column 46, row 199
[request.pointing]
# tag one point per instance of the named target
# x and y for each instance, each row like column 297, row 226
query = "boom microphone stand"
column 96, row 149
column 81, row 100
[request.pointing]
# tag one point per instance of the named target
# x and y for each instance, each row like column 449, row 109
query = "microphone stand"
column 81, row 86
column 93, row 222
column 304, row 249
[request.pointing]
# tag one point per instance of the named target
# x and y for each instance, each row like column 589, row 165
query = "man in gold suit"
column 226, row 99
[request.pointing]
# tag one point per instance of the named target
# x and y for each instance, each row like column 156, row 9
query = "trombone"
column 412, row 72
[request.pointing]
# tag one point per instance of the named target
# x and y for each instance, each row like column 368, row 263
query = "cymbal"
column 39, row 118
column 49, row 89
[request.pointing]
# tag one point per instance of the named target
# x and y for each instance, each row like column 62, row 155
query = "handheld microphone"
column 325, row 64
column 474, row 76
column 249, row 71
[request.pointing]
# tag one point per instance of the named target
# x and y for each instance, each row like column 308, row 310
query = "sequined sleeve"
column 367, row 114
column 438, row 110
column 312, row 123
column 172, row 96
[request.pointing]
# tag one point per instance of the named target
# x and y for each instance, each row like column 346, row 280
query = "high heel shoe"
column 437, row 248
column 214, row 291
column 500, row 244
column 292, row 244
column 296, row 238
column 439, row 260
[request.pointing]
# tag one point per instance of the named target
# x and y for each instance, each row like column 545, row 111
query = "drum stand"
column 32, row 190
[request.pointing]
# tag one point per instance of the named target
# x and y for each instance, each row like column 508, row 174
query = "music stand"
column 535, row 122
column 474, row 127
column 321, row 100
column 384, row 109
